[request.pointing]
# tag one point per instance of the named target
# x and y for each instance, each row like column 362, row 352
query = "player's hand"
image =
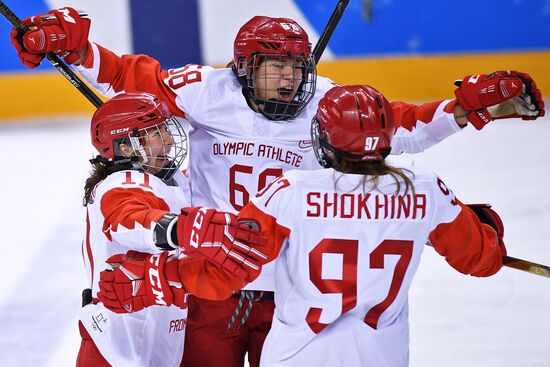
column 502, row 94
column 61, row 31
column 528, row 105
column 488, row 216
column 221, row 238
column 28, row 59
column 139, row 280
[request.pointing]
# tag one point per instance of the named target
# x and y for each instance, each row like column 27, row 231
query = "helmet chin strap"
column 273, row 108
column 276, row 110
column 166, row 173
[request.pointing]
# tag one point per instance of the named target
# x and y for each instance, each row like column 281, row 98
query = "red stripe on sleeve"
column 129, row 206
column 131, row 73
column 406, row 115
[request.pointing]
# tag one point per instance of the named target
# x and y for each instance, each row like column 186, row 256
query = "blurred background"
column 410, row 50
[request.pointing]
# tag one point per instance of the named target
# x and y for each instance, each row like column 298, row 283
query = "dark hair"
column 373, row 170
column 101, row 168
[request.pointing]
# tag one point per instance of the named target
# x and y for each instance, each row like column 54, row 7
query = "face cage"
column 275, row 109
column 317, row 147
column 172, row 160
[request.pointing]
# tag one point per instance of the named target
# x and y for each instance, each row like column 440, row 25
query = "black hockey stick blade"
column 63, row 68
column 329, row 29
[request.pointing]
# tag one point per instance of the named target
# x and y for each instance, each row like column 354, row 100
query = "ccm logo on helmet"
column 197, row 224
column 154, row 279
column 120, row 131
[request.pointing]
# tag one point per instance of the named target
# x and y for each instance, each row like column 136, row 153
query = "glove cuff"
column 479, row 118
column 165, row 236
column 467, row 95
column 192, row 226
column 488, row 216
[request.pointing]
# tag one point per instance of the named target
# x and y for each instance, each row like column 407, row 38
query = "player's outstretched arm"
column 65, row 32
column 499, row 95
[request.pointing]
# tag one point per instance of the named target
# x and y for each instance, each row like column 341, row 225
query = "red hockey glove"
column 28, row 59
column 529, row 105
column 489, row 216
column 512, row 89
column 61, row 31
column 221, row 238
column 140, row 280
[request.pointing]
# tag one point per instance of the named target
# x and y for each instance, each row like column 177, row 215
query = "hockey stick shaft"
column 63, row 68
column 528, row 266
column 520, row 264
column 329, row 29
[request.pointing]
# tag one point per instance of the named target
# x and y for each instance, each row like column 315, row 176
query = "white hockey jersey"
column 234, row 151
column 347, row 254
column 125, row 208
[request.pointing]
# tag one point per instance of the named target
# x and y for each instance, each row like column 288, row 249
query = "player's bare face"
column 278, row 78
column 157, row 145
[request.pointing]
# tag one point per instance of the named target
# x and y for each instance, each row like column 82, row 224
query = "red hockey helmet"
column 132, row 119
column 265, row 37
column 355, row 123
column 270, row 36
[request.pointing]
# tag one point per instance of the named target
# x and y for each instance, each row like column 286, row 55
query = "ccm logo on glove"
column 154, row 279
column 197, row 225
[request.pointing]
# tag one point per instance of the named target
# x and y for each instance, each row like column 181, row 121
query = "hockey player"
column 251, row 123
column 348, row 240
column 130, row 197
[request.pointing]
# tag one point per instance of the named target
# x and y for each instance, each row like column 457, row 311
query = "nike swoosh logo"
column 304, row 144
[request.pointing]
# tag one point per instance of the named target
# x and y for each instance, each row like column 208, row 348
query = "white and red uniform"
column 347, row 254
column 234, row 153
column 126, row 207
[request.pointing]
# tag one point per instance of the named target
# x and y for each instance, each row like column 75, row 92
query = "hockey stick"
column 528, row 266
column 520, row 264
column 54, row 60
column 329, row 29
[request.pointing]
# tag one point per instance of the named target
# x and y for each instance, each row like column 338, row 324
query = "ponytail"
column 101, row 168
